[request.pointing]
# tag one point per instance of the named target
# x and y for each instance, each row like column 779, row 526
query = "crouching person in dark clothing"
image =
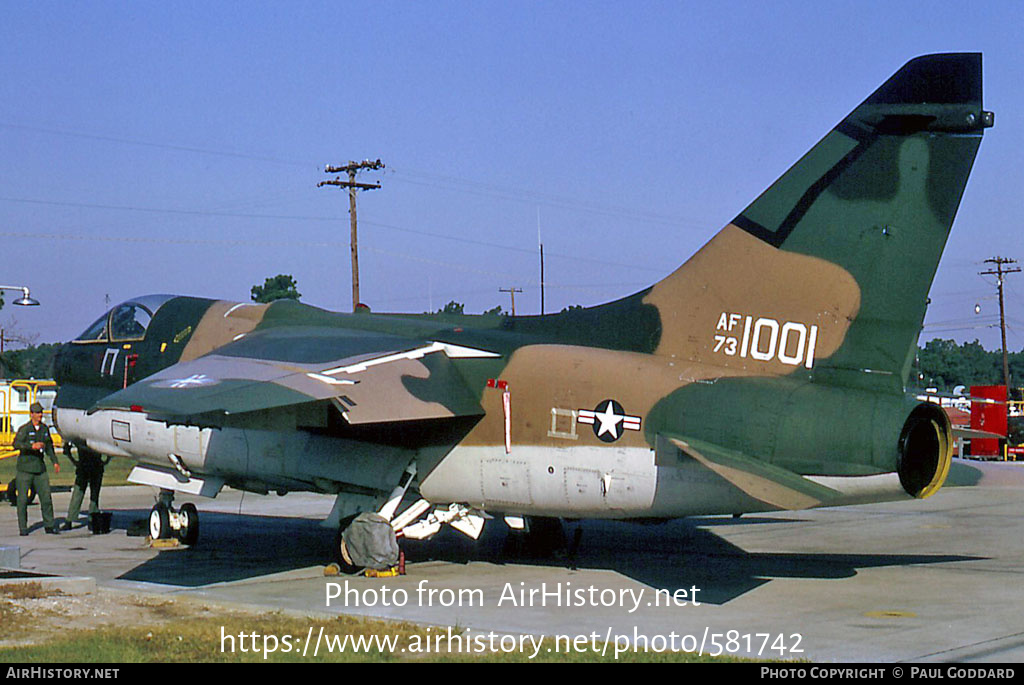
column 88, row 473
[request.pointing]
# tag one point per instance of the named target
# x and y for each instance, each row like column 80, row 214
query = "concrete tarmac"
column 934, row 580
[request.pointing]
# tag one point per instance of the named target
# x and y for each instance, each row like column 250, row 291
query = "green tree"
column 944, row 364
column 452, row 307
column 34, row 361
column 280, row 287
column 495, row 311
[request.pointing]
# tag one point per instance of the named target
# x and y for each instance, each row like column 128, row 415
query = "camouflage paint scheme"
column 767, row 372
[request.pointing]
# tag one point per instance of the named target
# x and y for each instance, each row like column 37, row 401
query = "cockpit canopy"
column 127, row 321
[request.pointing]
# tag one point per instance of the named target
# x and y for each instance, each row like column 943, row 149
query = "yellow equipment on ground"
column 15, row 399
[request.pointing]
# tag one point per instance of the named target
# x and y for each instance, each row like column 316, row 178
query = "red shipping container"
column 989, row 417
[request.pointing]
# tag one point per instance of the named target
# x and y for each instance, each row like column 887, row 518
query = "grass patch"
column 15, row 616
column 30, row 590
column 167, row 609
column 116, row 472
column 12, row 617
column 200, row 639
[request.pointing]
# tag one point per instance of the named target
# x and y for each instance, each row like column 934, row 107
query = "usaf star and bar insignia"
column 609, row 420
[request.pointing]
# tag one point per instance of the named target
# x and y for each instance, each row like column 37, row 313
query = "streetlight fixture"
column 26, row 300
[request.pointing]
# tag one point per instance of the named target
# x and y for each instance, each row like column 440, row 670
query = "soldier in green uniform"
column 33, row 440
column 88, row 473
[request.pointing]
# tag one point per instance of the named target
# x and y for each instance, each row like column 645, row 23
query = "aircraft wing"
column 370, row 377
column 764, row 482
column 969, row 433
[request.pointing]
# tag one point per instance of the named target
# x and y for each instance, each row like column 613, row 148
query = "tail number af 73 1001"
column 765, row 339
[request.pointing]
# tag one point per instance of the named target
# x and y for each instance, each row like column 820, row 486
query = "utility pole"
column 351, row 169
column 540, row 243
column 1000, row 272
column 511, row 291
column 542, row 279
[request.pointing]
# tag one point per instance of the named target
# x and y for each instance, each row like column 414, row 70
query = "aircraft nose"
column 61, row 364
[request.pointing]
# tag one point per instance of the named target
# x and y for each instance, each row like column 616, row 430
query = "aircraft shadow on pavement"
column 233, row 547
column 675, row 555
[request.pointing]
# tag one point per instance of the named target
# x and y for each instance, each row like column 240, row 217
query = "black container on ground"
column 99, row 522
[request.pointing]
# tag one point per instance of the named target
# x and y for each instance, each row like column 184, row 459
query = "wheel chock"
column 382, row 573
column 162, row 543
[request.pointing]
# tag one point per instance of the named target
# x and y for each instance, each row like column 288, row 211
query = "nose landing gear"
column 167, row 522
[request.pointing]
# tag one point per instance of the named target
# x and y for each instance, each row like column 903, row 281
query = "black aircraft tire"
column 346, row 567
column 189, row 533
column 159, row 522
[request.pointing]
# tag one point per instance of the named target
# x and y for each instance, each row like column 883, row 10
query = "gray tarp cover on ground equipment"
column 370, row 542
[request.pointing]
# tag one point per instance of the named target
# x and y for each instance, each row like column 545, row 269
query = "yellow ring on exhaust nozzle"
column 943, row 434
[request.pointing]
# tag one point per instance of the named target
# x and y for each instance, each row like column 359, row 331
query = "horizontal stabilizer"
column 930, row 397
column 764, row 482
column 969, row 433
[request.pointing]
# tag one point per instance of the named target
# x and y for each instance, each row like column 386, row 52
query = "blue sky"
column 176, row 147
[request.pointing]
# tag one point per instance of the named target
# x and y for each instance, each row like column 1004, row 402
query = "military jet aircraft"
column 767, row 372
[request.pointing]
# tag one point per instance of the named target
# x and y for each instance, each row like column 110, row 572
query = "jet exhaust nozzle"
column 925, row 450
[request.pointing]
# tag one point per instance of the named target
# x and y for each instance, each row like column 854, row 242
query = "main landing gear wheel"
column 189, row 531
column 543, row 538
column 368, row 541
column 342, row 557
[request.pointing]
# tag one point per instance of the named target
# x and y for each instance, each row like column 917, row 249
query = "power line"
column 597, row 288
column 441, row 181
column 165, row 146
column 287, row 217
column 533, row 197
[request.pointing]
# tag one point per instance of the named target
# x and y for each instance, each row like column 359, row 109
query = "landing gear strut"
column 167, row 522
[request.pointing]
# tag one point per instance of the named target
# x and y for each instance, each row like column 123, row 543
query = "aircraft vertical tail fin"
column 827, row 272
